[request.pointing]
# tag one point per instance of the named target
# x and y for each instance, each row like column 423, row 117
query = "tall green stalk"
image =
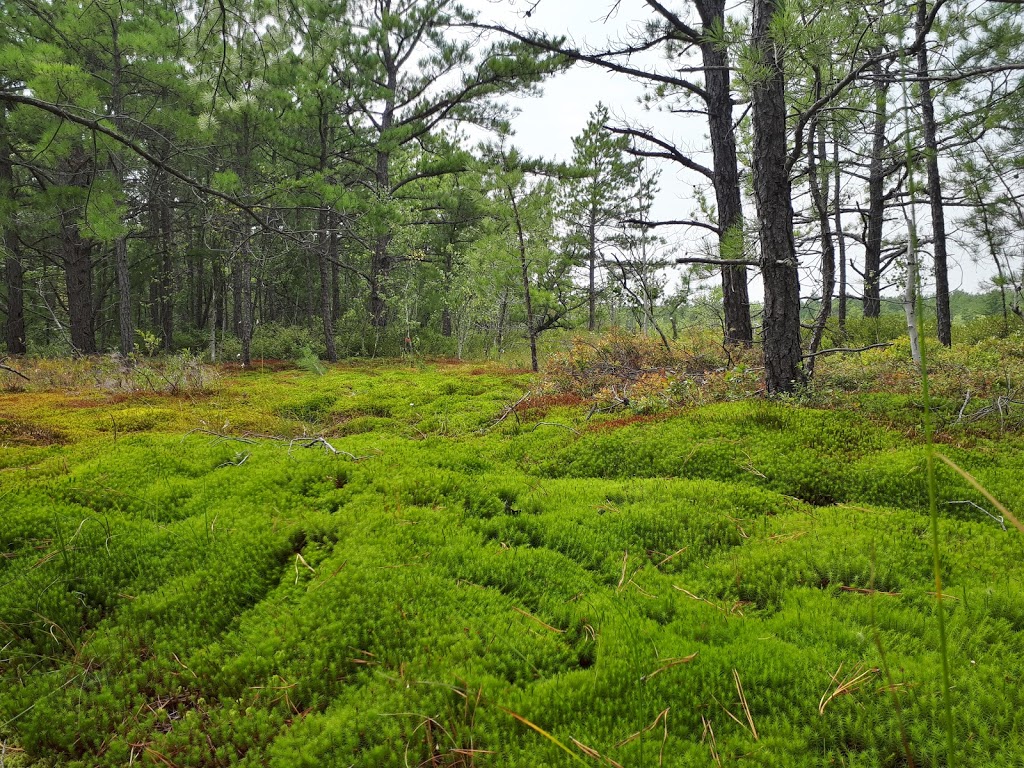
column 929, row 439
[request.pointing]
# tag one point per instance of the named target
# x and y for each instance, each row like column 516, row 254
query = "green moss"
column 228, row 599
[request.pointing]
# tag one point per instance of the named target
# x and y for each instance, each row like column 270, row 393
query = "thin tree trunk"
column 244, row 277
column 126, row 328
column 819, row 196
column 446, row 310
column 525, row 270
column 876, row 201
column 166, row 272
column 772, row 193
column 840, row 236
column 592, row 265
column 931, row 146
column 380, row 258
column 325, row 257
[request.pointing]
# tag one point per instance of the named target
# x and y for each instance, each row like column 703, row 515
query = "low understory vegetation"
column 632, row 560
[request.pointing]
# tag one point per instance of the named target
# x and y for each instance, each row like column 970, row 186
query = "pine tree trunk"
column 14, row 273
column 819, row 196
column 244, row 277
column 325, row 258
column 931, row 146
column 592, row 265
column 446, row 311
column 122, row 271
column 876, row 202
column 166, row 273
column 524, row 264
column 15, row 283
column 840, row 238
column 76, row 254
column 772, row 193
column 736, row 301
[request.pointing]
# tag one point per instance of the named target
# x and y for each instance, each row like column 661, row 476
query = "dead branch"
column 252, row 438
column 5, row 367
column 510, row 410
column 846, row 350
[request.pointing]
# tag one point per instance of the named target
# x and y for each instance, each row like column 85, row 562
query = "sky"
column 546, row 124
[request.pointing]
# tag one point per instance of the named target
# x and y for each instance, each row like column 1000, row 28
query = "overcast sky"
column 546, row 125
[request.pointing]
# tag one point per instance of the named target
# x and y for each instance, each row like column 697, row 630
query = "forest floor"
column 457, row 564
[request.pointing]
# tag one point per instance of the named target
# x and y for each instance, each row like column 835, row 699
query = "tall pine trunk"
column 76, row 256
column 876, row 200
column 819, row 196
column 772, row 194
column 14, row 273
column 840, row 237
column 717, row 86
column 122, row 271
column 931, row 147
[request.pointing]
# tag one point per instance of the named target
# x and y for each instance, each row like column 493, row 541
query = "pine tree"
column 599, row 196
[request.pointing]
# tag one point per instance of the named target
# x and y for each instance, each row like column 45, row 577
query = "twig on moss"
column 670, row 664
column 713, row 744
column 218, row 435
column 554, row 424
column 853, row 681
column 669, row 557
column 321, row 441
column 593, row 753
column 743, row 703
column 998, row 518
column 663, row 719
column 510, row 410
column 251, row 438
column 980, row 489
column 529, row 615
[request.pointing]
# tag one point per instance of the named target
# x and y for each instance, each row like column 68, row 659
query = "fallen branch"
column 321, row 441
column 846, row 350
column 5, row 367
column 510, row 410
column 251, row 438
column 554, row 424
column 998, row 518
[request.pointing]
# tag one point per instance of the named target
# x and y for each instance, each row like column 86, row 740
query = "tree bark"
column 717, row 85
column 76, row 254
column 380, row 259
column 166, row 270
column 243, row 290
column 840, row 237
column 524, row 264
column 126, row 327
column 773, row 196
column 327, row 242
column 876, row 201
column 931, row 146
column 446, row 310
column 14, row 273
column 819, row 196
column 592, row 268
